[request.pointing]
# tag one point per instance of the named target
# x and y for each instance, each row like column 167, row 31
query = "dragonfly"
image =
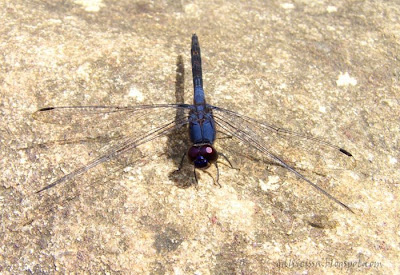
column 202, row 119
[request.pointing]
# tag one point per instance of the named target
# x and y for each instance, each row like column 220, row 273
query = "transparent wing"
column 102, row 120
column 262, row 136
column 137, row 124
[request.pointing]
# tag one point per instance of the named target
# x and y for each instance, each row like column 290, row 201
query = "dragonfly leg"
column 196, row 182
column 181, row 163
column 226, row 158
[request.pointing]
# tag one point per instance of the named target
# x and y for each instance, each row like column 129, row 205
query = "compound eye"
column 202, row 156
column 209, row 153
column 193, row 153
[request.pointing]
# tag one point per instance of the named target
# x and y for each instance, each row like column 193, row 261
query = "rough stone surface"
column 328, row 68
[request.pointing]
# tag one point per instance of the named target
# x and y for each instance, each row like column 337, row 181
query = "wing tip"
column 45, row 109
column 347, row 153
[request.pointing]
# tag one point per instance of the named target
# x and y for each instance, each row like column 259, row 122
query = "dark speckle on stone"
column 168, row 240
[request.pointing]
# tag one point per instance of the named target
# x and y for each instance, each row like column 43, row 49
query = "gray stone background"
column 329, row 68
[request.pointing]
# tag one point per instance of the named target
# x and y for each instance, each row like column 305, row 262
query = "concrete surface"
column 329, row 68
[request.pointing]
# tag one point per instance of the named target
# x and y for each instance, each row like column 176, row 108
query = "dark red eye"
column 209, row 153
column 202, row 156
column 193, row 153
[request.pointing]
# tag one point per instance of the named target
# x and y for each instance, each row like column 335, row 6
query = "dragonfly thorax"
column 202, row 156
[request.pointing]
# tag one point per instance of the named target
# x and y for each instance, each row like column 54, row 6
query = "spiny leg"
column 181, row 163
column 196, row 182
column 226, row 158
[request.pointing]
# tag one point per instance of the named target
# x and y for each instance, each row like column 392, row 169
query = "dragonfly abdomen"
column 196, row 62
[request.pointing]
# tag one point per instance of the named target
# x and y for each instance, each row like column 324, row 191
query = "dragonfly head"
column 202, row 156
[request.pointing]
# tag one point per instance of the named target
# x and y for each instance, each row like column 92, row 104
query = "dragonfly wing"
column 86, row 123
column 268, row 129
column 104, row 117
column 255, row 135
column 142, row 131
column 317, row 150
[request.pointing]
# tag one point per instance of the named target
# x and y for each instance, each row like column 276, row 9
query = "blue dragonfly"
column 203, row 120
